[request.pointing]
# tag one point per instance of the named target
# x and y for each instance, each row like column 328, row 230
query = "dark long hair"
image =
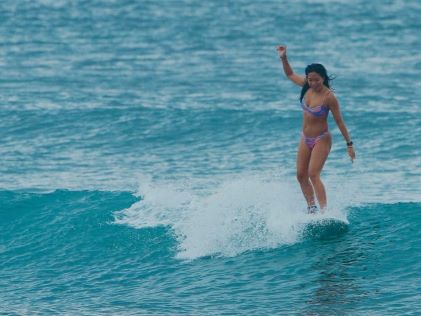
column 321, row 70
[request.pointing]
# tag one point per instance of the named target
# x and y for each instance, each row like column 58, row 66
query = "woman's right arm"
column 298, row 80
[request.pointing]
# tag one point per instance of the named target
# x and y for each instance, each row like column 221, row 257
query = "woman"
column 317, row 99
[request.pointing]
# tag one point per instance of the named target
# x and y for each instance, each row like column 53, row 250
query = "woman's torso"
column 315, row 112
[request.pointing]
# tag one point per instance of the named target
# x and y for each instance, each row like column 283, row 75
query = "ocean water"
column 148, row 159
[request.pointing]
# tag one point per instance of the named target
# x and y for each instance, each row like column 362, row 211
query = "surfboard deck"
column 325, row 228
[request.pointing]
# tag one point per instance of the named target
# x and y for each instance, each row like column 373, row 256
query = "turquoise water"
column 148, row 159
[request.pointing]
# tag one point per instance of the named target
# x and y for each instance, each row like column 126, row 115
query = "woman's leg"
column 303, row 159
column 318, row 157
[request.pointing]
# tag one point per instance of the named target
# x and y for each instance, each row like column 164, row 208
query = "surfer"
column 317, row 99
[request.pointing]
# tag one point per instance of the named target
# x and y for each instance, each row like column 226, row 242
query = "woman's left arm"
column 336, row 112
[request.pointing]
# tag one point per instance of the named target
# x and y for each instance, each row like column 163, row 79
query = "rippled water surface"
column 148, row 158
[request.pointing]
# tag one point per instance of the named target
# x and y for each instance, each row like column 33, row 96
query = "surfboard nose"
column 323, row 229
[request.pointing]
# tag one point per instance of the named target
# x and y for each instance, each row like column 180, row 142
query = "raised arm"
column 336, row 113
column 298, row 80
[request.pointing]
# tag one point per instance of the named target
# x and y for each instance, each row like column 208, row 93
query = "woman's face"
column 315, row 81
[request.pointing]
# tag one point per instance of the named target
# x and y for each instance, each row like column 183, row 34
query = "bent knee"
column 302, row 176
column 314, row 176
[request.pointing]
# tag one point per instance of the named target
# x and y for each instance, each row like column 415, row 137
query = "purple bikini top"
column 319, row 111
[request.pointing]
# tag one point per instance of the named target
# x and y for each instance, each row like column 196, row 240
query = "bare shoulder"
column 331, row 99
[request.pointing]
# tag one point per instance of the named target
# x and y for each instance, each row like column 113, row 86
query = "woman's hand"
column 351, row 153
column 282, row 51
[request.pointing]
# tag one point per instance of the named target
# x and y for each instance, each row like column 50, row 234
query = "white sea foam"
column 237, row 215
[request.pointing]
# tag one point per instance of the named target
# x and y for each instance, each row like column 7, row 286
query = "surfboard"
column 325, row 228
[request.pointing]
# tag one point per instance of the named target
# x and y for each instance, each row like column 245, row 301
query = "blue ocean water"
column 148, row 159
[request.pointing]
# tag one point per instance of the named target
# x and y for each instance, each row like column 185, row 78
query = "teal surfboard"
column 325, row 228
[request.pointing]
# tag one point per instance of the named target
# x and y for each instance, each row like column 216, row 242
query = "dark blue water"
column 148, row 159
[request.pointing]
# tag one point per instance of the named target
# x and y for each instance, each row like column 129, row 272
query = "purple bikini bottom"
column 312, row 141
